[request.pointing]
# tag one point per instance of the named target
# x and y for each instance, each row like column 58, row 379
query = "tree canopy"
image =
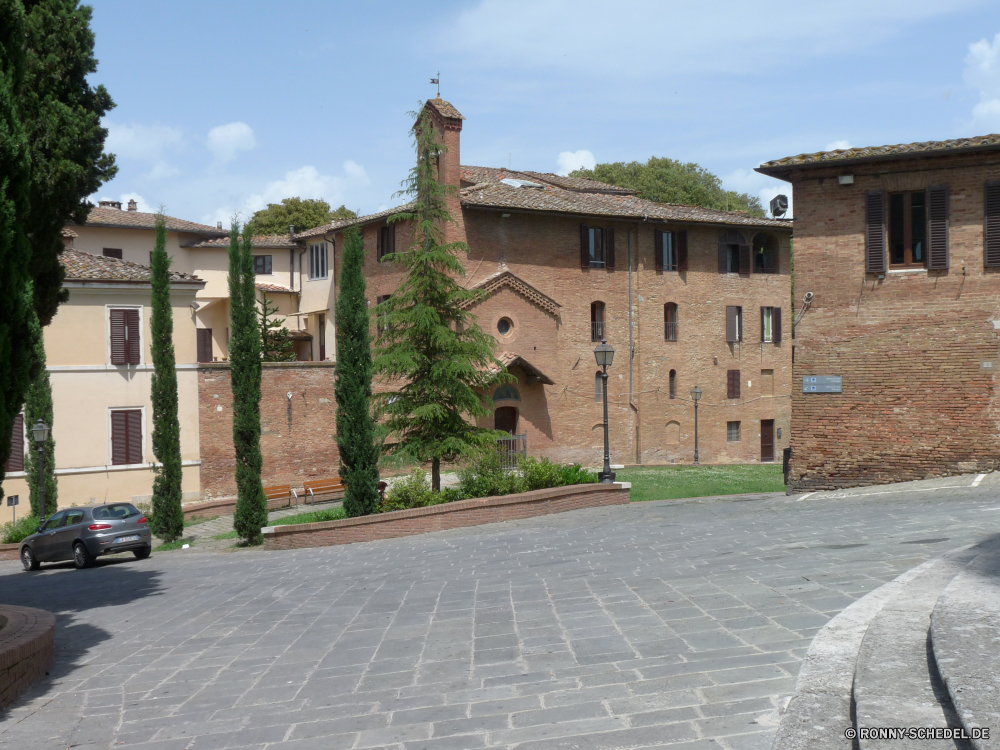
column 670, row 181
column 302, row 214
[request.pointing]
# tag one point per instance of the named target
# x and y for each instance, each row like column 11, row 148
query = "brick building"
column 899, row 247
column 686, row 295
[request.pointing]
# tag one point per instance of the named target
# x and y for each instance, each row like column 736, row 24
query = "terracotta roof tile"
column 82, row 266
column 445, row 109
column 264, row 240
column 115, row 217
column 69, row 233
column 265, row 286
column 336, row 226
column 510, row 359
column 501, row 279
column 476, row 175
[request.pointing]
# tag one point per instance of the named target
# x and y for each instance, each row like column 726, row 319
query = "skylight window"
column 519, row 183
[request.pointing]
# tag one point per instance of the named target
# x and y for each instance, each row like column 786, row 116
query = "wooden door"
column 205, row 345
column 505, row 418
column 767, row 440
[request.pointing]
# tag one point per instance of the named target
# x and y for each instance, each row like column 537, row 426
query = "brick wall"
column 297, row 434
column 917, row 400
column 26, row 649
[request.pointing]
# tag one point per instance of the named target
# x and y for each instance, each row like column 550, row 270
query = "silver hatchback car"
column 83, row 534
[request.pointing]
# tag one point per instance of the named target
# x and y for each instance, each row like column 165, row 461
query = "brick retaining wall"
column 10, row 551
column 446, row 516
column 26, row 649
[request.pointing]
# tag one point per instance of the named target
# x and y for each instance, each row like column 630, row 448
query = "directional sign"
column 823, row 384
column 13, row 500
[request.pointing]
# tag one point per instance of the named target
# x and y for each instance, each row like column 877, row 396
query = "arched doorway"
column 505, row 418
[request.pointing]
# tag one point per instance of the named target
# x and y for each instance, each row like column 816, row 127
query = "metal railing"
column 597, row 330
column 670, row 331
column 512, row 449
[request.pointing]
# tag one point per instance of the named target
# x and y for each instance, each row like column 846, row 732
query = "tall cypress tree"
column 432, row 355
column 168, row 518
column 38, row 406
column 356, row 433
column 245, row 374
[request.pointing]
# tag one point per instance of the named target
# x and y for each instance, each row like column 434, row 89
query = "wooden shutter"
column 681, row 238
column 134, row 418
column 776, row 325
column 118, row 337
column 119, row 438
column 733, row 384
column 937, row 235
column 991, row 239
column 732, row 325
column 584, row 246
column 132, row 336
column 763, row 315
column 609, row 247
column 875, row 260
column 746, row 259
column 16, row 460
column 380, row 238
column 205, row 345
column 658, row 245
column 723, row 256
column 390, row 231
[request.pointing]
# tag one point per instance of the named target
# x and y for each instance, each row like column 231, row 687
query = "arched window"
column 765, row 253
column 734, row 253
column 673, row 433
column 673, row 384
column 506, row 393
column 670, row 321
column 597, row 321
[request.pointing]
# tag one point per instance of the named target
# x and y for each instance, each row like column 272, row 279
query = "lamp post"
column 605, row 356
column 40, row 432
column 696, row 395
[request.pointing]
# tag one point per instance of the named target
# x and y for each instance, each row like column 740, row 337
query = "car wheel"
column 28, row 559
column 143, row 553
column 82, row 556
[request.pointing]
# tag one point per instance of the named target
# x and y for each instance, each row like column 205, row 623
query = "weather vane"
column 437, row 82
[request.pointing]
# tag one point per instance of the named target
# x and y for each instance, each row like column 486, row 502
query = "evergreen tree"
column 276, row 344
column 435, row 360
column 356, row 428
column 245, row 374
column 38, row 406
column 167, row 521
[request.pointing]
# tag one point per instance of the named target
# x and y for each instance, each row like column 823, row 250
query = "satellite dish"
column 779, row 205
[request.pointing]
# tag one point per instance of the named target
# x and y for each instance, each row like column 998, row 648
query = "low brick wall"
column 446, row 516
column 26, row 649
column 10, row 551
column 226, row 506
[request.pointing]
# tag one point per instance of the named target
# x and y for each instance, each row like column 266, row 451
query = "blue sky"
column 225, row 106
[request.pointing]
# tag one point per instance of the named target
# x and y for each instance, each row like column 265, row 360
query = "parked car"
column 83, row 534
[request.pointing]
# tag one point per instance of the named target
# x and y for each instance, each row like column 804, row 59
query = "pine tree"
column 38, row 406
column 276, row 344
column 245, row 371
column 356, row 429
column 435, row 360
column 167, row 521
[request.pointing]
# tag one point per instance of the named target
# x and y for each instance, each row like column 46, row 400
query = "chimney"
column 291, row 231
column 218, row 224
column 448, row 122
column 132, row 206
column 110, row 204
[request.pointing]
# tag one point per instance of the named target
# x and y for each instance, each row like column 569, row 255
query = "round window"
column 504, row 326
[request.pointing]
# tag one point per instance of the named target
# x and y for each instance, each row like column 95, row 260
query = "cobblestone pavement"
column 664, row 624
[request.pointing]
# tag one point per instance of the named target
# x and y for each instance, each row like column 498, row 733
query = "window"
column 205, row 353
column 991, row 229
column 126, row 338
column 126, row 437
column 597, row 332
column 907, row 229
column 733, row 432
column 670, row 250
column 734, row 324
column 767, row 382
column 670, row 321
column 506, row 392
column 262, row 264
column 16, row 460
column 598, row 387
column 321, row 330
column 770, row 325
column 504, row 326
column 765, row 253
column 734, row 253
column 597, row 247
column 386, row 240
column 733, row 384
column 112, row 252
column 317, row 261
column 673, row 384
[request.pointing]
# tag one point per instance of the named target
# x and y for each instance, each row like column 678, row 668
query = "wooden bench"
column 319, row 487
column 279, row 496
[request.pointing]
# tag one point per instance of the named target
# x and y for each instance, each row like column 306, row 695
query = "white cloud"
column 837, row 145
column 982, row 73
column 224, row 141
column 572, row 160
column 152, row 144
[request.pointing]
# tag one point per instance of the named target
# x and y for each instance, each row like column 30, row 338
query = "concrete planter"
column 10, row 551
column 446, row 516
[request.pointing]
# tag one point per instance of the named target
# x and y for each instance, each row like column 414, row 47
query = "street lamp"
column 40, row 432
column 605, row 355
column 696, row 395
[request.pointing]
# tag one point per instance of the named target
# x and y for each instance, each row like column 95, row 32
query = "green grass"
column 228, row 535
column 673, row 482
column 330, row 514
column 195, row 520
column 176, row 544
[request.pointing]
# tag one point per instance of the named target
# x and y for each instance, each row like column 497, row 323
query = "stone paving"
column 663, row 624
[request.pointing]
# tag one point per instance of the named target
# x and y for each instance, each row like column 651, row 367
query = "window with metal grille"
column 126, row 337
column 262, row 264
column 126, row 437
column 733, row 384
column 733, row 432
column 318, row 261
column 386, row 241
column 670, row 321
column 597, row 331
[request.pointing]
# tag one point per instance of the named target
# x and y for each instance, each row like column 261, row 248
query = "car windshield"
column 119, row 510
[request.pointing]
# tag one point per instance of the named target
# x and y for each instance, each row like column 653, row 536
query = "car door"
column 45, row 537
column 62, row 540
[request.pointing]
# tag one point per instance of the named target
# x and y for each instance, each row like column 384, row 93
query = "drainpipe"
column 333, row 281
column 291, row 258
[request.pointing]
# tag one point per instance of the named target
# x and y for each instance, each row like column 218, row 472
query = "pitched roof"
column 336, row 226
column 101, row 216
column 82, row 266
column 265, row 286
column 476, row 175
column 878, row 153
column 69, row 233
column 445, row 109
column 264, row 240
column 510, row 359
column 502, row 279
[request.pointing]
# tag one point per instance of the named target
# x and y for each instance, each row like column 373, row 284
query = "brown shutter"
column 118, row 337
column 584, row 247
column 134, row 436
column 609, row 248
column 776, row 324
column 723, row 255
column 731, row 325
column 681, row 238
column 16, row 460
column 119, row 438
column 938, row 254
column 205, row 345
column 391, row 231
column 746, row 259
column 658, row 251
column 762, row 314
column 132, row 336
column 379, row 237
column 991, row 237
column 875, row 260
column 733, row 384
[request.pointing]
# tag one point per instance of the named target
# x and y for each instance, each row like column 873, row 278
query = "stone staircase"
column 921, row 651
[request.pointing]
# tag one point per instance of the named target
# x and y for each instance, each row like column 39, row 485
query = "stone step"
column 895, row 680
column 965, row 634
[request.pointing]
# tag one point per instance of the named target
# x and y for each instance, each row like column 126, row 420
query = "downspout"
column 631, row 401
column 333, row 281
column 291, row 259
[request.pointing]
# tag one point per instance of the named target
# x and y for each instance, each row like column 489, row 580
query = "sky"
column 224, row 107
